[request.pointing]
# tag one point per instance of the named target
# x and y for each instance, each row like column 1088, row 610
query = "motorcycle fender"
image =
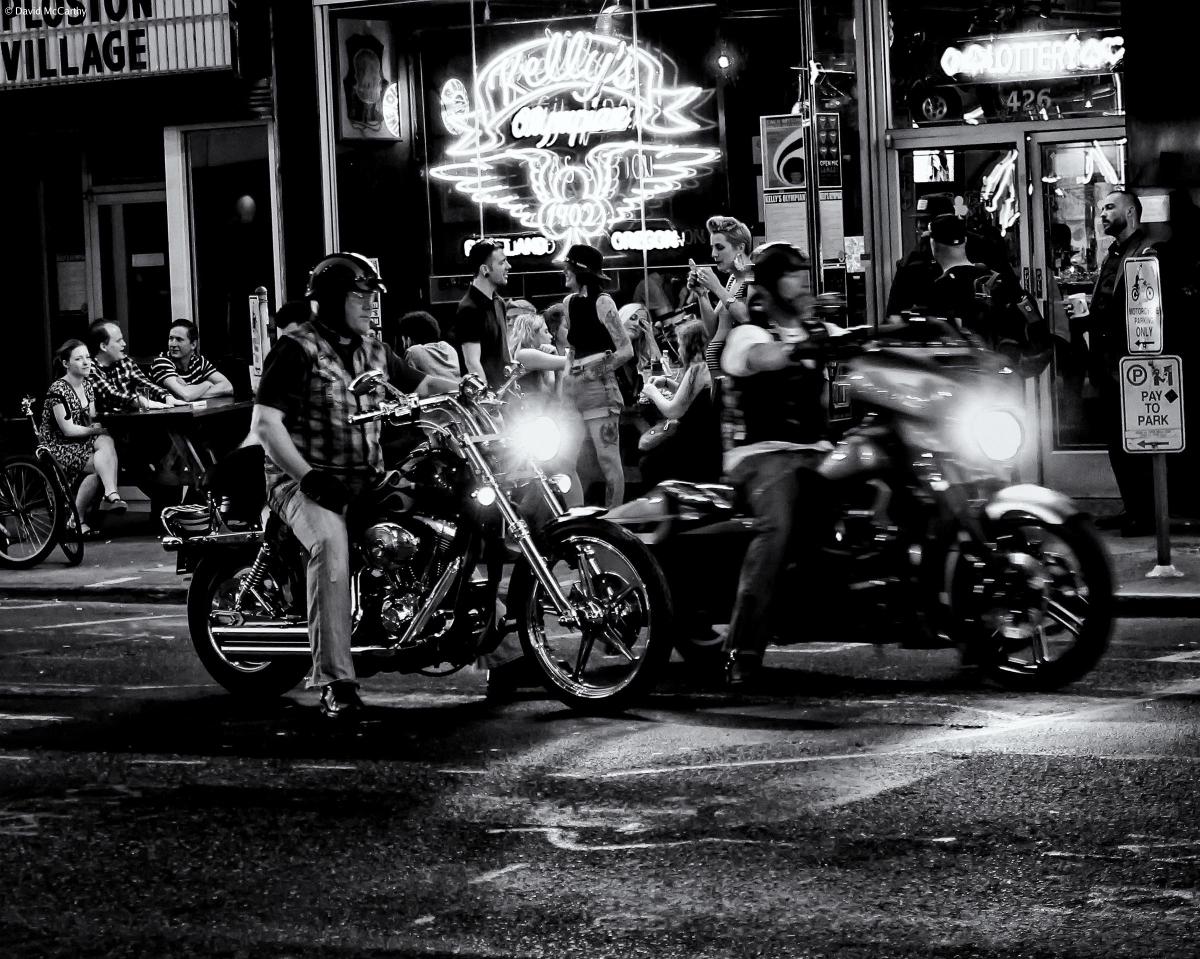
column 1046, row 504
column 854, row 456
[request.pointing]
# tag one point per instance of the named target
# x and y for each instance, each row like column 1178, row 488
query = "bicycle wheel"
column 70, row 527
column 29, row 512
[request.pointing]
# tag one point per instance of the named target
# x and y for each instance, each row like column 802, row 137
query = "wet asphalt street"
column 873, row 804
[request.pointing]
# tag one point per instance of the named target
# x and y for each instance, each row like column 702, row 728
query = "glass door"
column 1072, row 174
column 131, row 267
column 979, row 178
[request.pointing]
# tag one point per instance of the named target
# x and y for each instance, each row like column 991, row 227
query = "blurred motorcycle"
column 929, row 545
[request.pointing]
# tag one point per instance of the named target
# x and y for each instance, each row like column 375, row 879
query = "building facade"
column 143, row 176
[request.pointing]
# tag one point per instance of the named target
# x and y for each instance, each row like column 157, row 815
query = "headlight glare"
column 539, row 438
column 998, row 433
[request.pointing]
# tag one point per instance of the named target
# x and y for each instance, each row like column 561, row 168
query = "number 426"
column 1027, row 99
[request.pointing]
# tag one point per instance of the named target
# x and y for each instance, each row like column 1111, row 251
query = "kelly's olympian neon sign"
column 1033, row 55
column 539, row 103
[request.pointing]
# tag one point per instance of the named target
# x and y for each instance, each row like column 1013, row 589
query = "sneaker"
column 340, row 700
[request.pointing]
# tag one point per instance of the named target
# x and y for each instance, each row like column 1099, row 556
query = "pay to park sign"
column 1143, row 305
column 1152, row 404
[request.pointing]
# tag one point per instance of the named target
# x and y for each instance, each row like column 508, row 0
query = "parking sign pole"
column 1162, row 521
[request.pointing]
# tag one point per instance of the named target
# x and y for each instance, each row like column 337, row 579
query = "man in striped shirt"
column 183, row 371
column 119, row 385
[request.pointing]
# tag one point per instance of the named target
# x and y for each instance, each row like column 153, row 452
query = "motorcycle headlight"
column 540, row 438
column 998, row 433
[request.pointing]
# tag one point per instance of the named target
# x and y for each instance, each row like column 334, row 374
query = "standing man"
column 183, row 371
column 119, row 385
column 316, row 462
column 1121, row 218
column 480, row 334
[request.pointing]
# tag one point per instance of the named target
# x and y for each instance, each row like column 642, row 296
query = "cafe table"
column 199, row 431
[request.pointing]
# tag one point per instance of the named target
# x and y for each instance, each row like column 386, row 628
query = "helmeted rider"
column 316, row 462
column 778, row 443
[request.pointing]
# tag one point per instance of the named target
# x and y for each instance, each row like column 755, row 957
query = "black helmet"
column 339, row 273
column 773, row 260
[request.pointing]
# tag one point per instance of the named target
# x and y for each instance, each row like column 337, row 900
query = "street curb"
column 1157, row 605
column 102, row 594
column 1128, row 605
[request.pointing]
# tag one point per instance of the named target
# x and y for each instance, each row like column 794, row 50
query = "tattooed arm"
column 606, row 311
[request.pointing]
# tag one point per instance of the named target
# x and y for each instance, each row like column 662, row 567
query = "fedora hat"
column 587, row 258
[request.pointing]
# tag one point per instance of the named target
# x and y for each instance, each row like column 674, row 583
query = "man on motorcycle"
column 781, row 399
column 316, row 461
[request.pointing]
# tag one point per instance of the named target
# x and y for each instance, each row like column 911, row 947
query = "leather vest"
column 785, row 405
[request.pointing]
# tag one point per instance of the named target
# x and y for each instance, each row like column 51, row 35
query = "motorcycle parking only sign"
column 1143, row 305
column 1152, row 404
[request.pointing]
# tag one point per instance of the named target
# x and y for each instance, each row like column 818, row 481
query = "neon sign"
column 1033, row 55
column 524, row 142
column 535, row 245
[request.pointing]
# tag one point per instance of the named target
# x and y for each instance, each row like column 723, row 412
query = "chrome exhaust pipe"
column 262, row 640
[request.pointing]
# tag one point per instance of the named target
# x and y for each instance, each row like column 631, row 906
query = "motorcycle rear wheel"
column 614, row 661
column 1050, row 623
column 213, row 582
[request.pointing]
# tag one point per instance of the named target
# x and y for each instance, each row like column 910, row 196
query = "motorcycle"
column 930, row 544
column 585, row 596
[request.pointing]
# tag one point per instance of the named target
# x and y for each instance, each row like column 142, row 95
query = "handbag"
column 654, row 437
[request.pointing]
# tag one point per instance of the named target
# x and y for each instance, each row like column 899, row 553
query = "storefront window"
column 622, row 125
column 964, row 62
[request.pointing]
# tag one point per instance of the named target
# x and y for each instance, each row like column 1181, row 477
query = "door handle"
column 1038, row 274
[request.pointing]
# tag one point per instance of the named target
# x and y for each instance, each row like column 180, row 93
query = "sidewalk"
column 131, row 566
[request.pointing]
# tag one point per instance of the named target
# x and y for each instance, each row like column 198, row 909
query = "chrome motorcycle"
column 930, row 544
column 586, row 597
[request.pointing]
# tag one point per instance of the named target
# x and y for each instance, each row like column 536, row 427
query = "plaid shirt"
column 118, row 387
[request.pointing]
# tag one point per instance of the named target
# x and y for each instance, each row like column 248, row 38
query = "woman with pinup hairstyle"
column 68, row 429
column 600, row 346
column 729, row 241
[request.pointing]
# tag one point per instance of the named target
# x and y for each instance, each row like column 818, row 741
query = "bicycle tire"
column 30, row 512
column 70, row 534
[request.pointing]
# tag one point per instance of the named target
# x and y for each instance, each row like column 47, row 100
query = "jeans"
column 323, row 535
column 791, row 513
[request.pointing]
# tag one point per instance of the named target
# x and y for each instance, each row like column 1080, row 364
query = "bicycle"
column 37, row 506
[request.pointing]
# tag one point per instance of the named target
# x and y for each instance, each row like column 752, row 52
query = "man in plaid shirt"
column 118, row 383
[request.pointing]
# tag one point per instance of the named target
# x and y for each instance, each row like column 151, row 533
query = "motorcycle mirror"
column 366, row 382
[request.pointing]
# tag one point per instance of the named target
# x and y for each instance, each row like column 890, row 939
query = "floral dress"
column 70, row 453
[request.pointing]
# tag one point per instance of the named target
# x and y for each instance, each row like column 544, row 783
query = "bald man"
column 1121, row 217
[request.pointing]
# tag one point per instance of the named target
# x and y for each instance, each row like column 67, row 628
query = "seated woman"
column 77, row 444
column 694, row 451
column 631, row 377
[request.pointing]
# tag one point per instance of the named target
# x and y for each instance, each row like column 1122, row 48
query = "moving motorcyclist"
column 316, row 462
column 781, row 399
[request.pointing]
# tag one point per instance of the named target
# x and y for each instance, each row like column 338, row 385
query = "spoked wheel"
column 1043, row 609
column 616, row 647
column 213, row 592
column 70, row 526
column 29, row 513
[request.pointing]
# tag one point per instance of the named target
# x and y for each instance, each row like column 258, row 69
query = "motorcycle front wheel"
column 215, row 583
column 1042, row 611
column 618, row 645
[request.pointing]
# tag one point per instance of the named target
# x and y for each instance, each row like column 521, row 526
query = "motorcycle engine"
column 389, row 546
column 400, row 565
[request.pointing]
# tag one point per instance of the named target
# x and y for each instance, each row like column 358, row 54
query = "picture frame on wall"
column 367, row 90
